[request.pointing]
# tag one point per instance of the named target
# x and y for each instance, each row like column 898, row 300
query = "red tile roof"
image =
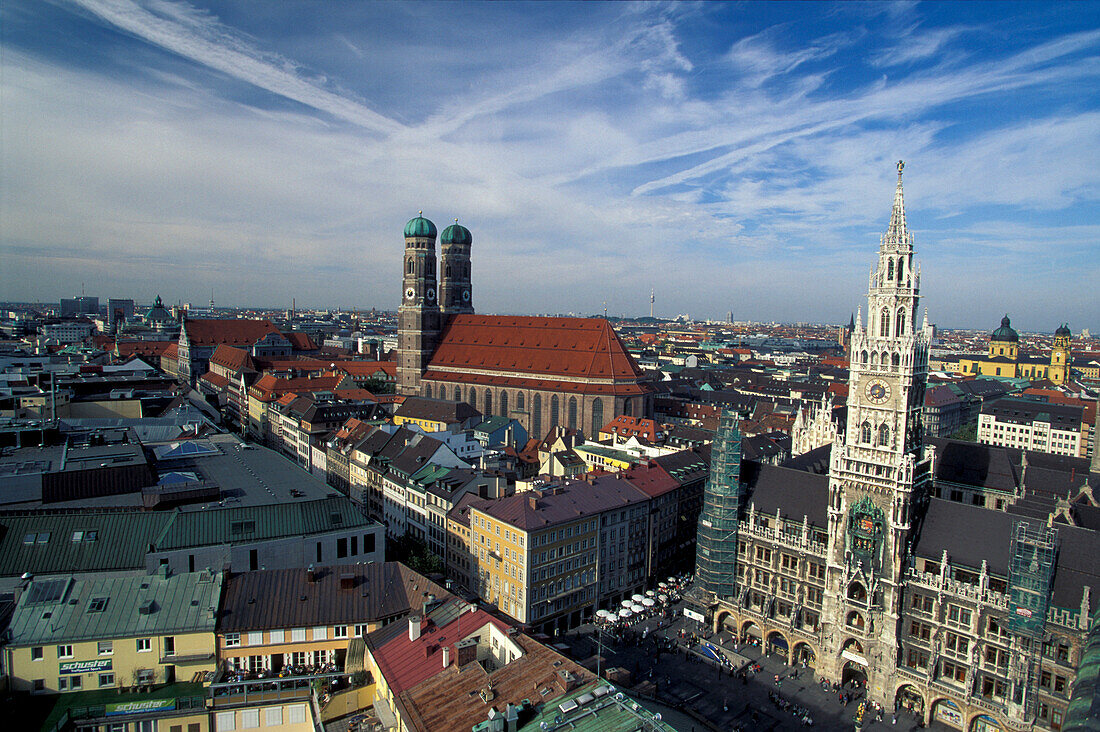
column 268, row 387
column 300, row 341
column 405, row 663
column 234, row 359
column 128, row 349
column 173, row 351
column 366, row 368
column 215, row 380
column 555, row 354
column 236, row 332
column 626, row 426
column 651, row 479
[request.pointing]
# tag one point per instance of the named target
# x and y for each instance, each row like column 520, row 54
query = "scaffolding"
column 1030, row 572
column 716, row 554
column 1030, row 578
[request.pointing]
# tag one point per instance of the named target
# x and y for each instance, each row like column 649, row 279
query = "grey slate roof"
column 794, row 493
column 67, row 609
column 968, row 533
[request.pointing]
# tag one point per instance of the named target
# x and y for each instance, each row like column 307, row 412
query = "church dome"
column 1005, row 332
column 1063, row 330
column 420, row 226
column 456, row 234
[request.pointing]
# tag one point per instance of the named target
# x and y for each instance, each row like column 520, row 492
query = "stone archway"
column 751, row 633
column 985, row 723
column 947, row 712
column 777, row 644
column 854, row 673
column 724, row 620
column 908, row 698
column 803, row 653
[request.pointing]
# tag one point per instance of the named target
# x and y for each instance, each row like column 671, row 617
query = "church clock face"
column 466, row 295
column 878, row 391
column 410, row 294
column 430, row 294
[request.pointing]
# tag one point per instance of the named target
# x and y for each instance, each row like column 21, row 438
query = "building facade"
column 543, row 372
column 972, row 613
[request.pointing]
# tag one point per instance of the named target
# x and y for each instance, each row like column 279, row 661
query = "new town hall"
column 950, row 578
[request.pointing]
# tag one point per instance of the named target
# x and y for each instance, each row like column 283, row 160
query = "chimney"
column 533, row 502
column 446, row 656
column 414, row 627
column 465, row 651
column 311, row 575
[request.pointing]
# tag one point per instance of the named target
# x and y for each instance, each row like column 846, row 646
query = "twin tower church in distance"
column 570, row 372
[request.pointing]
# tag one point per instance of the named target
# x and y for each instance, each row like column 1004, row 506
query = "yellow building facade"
column 1004, row 359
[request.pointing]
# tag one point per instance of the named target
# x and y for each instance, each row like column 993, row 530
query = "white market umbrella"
column 649, row 602
column 636, row 598
column 626, row 603
column 650, row 593
column 662, row 598
column 637, row 608
column 624, row 613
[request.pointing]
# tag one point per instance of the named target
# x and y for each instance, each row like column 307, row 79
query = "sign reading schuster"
column 85, row 667
column 140, row 707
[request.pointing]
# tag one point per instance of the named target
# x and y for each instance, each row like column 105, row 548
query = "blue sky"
column 731, row 157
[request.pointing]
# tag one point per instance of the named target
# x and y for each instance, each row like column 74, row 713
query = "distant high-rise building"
column 74, row 306
column 119, row 310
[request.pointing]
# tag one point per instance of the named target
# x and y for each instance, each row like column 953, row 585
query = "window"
column 38, row 685
column 65, row 651
column 105, row 648
column 250, row 718
column 341, row 548
column 144, row 645
column 36, row 653
column 273, row 717
column 340, row 631
column 951, row 671
column 320, row 633
column 920, row 631
column 922, row 603
column 297, row 713
column 232, row 640
column 226, row 721
column 865, row 432
column 106, row 680
column 169, row 646
column 98, row 604
column 275, row 636
column 957, row 615
column 816, row 571
column 916, row 658
column 256, row 638
column 956, row 643
column 360, row 630
column 76, row 682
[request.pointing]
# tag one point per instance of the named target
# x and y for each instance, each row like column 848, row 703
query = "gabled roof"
column 234, row 359
column 796, row 494
column 300, row 341
column 566, row 351
column 237, row 332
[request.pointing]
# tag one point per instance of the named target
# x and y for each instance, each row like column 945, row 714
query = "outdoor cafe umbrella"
column 648, row 602
column 624, row 613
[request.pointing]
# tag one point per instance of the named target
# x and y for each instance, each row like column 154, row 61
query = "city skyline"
column 730, row 157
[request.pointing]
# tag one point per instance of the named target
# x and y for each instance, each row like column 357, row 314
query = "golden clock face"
column 410, row 294
column 878, row 391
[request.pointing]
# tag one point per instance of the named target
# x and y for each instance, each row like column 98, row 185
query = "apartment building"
column 69, row 634
column 1029, row 425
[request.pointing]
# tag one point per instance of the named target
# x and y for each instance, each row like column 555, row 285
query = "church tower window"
column 503, row 403
column 865, row 433
column 554, row 410
column 488, row 403
column 884, row 435
column 884, row 323
column 573, row 413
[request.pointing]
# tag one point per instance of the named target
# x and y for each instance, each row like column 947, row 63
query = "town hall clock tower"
column 879, row 471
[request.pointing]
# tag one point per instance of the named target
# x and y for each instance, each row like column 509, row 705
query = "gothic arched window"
column 503, row 404
column 890, row 269
column 519, row 401
column 554, row 409
column 597, row 416
column 536, row 416
column 409, row 267
column 901, row 322
column 488, row 403
column 572, row 413
column 895, row 360
column 884, row 323
column 428, row 391
column 626, row 407
column 472, row 398
column 865, row 432
column 901, row 268
column 883, row 435
column 864, row 357
column 874, row 358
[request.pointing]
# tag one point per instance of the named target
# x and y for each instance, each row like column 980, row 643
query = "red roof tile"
column 237, row 332
column 540, row 349
column 215, row 380
column 300, row 341
column 234, row 359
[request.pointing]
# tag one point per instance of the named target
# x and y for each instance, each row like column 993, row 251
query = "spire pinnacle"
column 898, row 232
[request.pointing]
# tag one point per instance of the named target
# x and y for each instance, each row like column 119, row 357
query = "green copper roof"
column 456, row 234
column 1063, row 329
column 1005, row 332
column 420, row 226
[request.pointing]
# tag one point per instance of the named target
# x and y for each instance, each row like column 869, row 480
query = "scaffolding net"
column 716, row 554
column 1030, row 572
